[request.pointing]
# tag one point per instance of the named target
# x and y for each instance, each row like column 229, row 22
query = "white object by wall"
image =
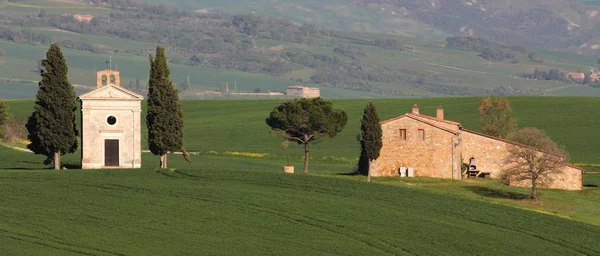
column 411, row 172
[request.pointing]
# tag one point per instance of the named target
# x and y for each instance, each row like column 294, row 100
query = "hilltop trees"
column 165, row 117
column 248, row 24
column 370, row 138
column 306, row 120
column 496, row 117
column 51, row 126
column 536, row 160
column 587, row 79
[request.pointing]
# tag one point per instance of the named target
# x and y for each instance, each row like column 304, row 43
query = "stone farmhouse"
column 575, row 76
column 420, row 145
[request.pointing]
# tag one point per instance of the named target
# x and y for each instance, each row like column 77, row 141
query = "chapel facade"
column 435, row 147
column 111, row 124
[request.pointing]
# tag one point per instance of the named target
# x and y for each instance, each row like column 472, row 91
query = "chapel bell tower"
column 106, row 77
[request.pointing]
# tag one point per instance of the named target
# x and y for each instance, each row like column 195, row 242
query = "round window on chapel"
column 111, row 120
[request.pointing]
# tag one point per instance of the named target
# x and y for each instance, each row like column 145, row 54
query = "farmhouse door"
column 111, row 152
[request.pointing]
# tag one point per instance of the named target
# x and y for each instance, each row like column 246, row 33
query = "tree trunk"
column 533, row 186
column 163, row 161
column 369, row 171
column 57, row 160
column 306, row 157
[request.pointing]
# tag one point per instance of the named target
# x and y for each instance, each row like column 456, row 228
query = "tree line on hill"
column 489, row 50
column 557, row 75
column 229, row 41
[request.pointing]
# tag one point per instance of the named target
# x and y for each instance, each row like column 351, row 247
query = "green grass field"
column 239, row 125
column 230, row 205
column 222, row 204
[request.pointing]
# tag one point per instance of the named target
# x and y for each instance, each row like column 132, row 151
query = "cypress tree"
column 51, row 126
column 3, row 117
column 370, row 137
column 164, row 117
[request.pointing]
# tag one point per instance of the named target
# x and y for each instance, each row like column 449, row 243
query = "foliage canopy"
column 306, row 120
column 536, row 159
column 496, row 117
column 51, row 126
column 370, row 138
column 3, row 117
column 165, row 117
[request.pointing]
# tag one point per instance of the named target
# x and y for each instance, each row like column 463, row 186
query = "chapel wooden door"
column 111, row 152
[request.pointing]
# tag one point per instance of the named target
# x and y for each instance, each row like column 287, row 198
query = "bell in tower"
column 107, row 76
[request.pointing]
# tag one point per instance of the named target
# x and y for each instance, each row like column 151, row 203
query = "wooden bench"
column 472, row 173
column 483, row 175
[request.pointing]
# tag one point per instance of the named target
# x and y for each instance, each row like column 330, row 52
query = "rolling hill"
column 227, row 204
column 239, row 126
column 552, row 24
column 237, row 208
column 255, row 53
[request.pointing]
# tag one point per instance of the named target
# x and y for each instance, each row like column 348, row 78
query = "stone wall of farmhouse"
column 431, row 157
column 490, row 155
column 569, row 179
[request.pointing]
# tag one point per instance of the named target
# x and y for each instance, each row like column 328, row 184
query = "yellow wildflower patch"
column 246, row 154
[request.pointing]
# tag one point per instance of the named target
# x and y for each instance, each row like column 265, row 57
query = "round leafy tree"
column 306, row 120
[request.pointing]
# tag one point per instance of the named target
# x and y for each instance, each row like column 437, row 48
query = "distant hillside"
column 262, row 53
column 553, row 24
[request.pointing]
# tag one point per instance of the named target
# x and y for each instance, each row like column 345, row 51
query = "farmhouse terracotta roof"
column 437, row 119
column 416, row 117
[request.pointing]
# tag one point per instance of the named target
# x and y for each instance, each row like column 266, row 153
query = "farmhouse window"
column 402, row 134
column 421, row 134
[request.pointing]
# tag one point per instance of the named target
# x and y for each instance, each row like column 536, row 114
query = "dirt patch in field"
column 276, row 48
column 66, row 1
column 58, row 30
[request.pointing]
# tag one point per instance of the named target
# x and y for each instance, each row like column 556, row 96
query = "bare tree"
column 535, row 160
column 496, row 117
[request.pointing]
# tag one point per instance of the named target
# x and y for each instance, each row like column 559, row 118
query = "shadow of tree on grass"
column 497, row 193
column 352, row 173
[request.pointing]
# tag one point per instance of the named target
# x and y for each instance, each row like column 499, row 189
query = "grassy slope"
column 239, row 125
column 226, row 205
column 21, row 59
column 332, row 14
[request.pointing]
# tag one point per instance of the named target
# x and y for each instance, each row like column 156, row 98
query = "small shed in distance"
column 303, row 91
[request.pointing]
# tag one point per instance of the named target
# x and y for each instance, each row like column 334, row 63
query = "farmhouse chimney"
column 440, row 112
column 415, row 110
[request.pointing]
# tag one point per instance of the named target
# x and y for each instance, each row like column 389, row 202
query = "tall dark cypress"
column 164, row 117
column 370, row 136
column 51, row 126
column 3, row 117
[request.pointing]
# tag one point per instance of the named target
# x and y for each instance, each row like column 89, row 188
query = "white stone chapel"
column 110, row 121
